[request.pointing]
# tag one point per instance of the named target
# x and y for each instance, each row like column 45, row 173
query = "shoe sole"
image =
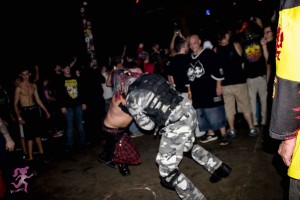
column 210, row 140
column 224, row 174
column 56, row 136
column 127, row 174
column 231, row 136
column 107, row 163
column 252, row 135
column 223, row 143
column 136, row 136
column 112, row 166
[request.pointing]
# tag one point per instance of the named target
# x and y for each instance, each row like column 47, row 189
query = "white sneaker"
column 252, row 132
column 136, row 135
column 231, row 133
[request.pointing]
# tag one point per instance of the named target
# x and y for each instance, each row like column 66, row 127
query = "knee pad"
column 168, row 181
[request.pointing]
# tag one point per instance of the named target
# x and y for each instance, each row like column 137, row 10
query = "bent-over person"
column 119, row 149
column 154, row 103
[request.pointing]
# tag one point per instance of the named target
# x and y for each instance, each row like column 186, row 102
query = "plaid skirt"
column 126, row 151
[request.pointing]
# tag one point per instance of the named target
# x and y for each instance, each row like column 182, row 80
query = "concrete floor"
column 255, row 174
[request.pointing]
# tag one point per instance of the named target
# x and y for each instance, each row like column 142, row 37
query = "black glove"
column 124, row 108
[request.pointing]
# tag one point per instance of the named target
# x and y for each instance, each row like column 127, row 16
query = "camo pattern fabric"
column 209, row 161
column 177, row 138
column 136, row 102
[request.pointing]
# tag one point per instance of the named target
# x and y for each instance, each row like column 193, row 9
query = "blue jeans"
column 74, row 115
column 211, row 118
column 133, row 128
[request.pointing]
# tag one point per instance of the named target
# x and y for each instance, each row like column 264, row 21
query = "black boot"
column 103, row 157
column 222, row 172
column 123, row 168
column 188, row 154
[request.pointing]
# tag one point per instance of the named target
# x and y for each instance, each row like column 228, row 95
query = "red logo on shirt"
column 279, row 41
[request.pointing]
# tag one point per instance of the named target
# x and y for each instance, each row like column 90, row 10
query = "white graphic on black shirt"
column 195, row 71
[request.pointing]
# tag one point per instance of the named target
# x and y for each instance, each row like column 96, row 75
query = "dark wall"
column 48, row 31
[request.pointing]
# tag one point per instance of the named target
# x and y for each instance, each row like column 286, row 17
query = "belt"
column 113, row 130
column 29, row 107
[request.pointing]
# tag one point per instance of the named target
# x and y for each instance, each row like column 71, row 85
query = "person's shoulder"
column 18, row 87
column 34, row 86
column 178, row 58
column 185, row 56
column 208, row 53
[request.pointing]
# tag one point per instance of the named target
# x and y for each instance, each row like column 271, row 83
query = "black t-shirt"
column 203, row 74
column 70, row 92
column 231, row 63
column 178, row 67
column 255, row 63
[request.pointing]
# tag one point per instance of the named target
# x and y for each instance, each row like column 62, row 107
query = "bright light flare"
column 208, row 12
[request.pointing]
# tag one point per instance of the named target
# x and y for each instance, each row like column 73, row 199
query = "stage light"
column 207, row 12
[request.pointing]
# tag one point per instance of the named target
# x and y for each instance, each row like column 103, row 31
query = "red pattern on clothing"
column 126, row 152
column 2, row 186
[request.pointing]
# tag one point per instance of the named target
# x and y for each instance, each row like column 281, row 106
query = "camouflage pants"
column 176, row 139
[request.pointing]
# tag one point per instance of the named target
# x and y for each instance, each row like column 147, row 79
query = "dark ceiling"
column 45, row 31
column 152, row 20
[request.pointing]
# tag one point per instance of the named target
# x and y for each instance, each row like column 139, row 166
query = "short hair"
column 180, row 44
column 221, row 34
column 24, row 68
column 273, row 27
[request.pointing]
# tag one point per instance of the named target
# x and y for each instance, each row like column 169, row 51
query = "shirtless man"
column 116, row 118
column 118, row 148
column 26, row 95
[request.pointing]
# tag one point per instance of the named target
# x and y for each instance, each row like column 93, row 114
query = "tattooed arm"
column 9, row 145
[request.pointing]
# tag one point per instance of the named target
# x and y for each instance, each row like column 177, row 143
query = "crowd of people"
column 190, row 91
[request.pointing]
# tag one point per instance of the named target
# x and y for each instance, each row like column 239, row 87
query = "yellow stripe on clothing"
column 288, row 44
